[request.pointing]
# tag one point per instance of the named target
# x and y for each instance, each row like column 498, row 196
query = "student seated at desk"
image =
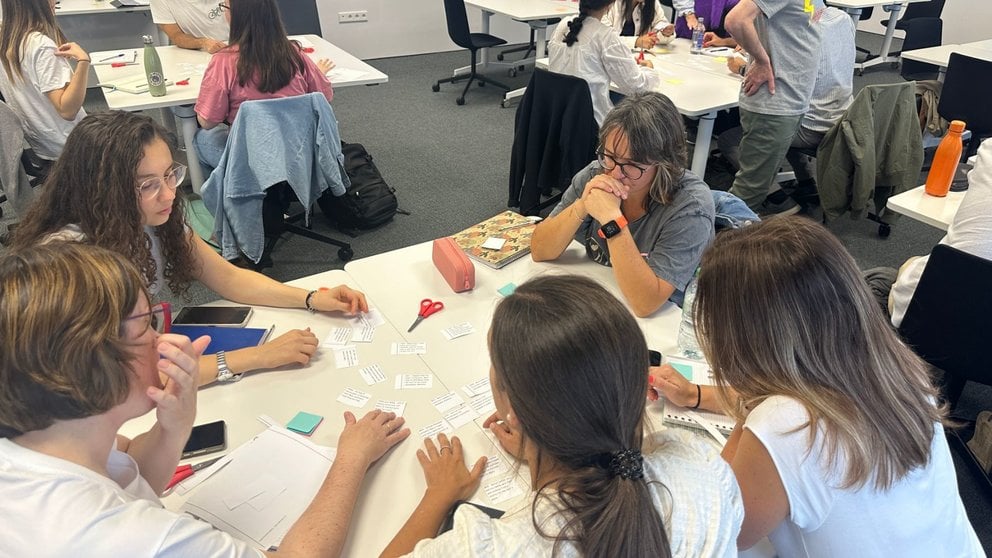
column 37, row 81
column 569, row 396
column 712, row 12
column 117, row 186
column 839, row 447
column 637, row 208
column 80, row 356
column 583, row 46
column 643, row 19
column 192, row 24
column 261, row 63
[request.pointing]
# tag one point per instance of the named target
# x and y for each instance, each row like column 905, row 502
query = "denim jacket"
column 731, row 212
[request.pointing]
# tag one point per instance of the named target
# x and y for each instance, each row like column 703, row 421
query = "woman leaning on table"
column 839, row 448
column 80, row 356
column 643, row 19
column 569, row 396
column 117, row 186
column 637, row 208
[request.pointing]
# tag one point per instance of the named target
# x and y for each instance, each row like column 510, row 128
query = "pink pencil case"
column 454, row 265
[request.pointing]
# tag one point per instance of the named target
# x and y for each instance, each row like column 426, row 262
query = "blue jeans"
column 210, row 145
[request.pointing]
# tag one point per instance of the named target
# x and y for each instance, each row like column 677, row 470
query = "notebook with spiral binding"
column 702, row 375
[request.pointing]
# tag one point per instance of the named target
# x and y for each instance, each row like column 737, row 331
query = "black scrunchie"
column 627, row 464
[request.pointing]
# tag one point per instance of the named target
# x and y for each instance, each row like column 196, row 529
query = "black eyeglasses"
column 630, row 170
column 159, row 317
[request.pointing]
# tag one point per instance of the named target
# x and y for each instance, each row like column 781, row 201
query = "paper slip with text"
column 697, row 372
column 263, row 490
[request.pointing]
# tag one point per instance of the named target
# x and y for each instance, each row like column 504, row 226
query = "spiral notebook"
column 509, row 230
column 697, row 372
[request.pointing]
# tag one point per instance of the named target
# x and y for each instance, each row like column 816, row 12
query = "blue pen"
column 118, row 55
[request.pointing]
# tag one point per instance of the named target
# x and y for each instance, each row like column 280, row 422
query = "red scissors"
column 427, row 307
column 183, row 472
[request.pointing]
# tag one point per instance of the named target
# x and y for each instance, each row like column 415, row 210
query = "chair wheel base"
column 499, row 57
column 512, row 72
column 436, row 87
column 884, row 231
column 345, row 254
column 460, row 101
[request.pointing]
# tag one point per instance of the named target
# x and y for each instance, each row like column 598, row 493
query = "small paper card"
column 684, row 369
column 363, row 334
column 432, row 430
column 447, row 401
column 339, row 336
column 414, row 381
column 304, row 423
column 346, row 357
column 507, row 289
column 478, row 387
column 408, row 348
column 372, row 374
column 460, row 415
column 371, row 318
column 391, row 406
column 495, row 466
column 483, row 404
column 459, row 330
column 494, row 243
column 354, row 397
column 502, row 490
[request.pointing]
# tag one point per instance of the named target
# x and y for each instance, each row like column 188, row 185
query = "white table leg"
column 540, row 51
column 890, row 29
column 186, row 118
column 855, row 14
column 702, row 150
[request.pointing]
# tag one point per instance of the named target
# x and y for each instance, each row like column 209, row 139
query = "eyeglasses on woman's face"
column 632, row 171
column 151, row 187
column 158, row 318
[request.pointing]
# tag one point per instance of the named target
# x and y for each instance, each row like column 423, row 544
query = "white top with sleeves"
column 599, row 57
column 44, row 72
column 72, row 233
column 921, row 514
column 56, row 508
column 614, row 17
column 970, row 231
column 697, row 497
column 199, row 18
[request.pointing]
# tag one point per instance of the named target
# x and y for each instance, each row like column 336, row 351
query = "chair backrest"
column 866, row 13
column 458, row 29
column 300, row 17
column 920, row 33
column 949, row 318
column 966, row 91
column 916, row 10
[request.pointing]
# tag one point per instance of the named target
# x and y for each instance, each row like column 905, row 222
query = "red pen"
column 121, row 64
column 183, row 82
column 640, row 57
column 183, row 472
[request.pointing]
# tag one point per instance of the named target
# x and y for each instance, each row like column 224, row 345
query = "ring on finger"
column 444, row 448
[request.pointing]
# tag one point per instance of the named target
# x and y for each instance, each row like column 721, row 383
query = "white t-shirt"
column 920, row 515
column 199, row 18
column 970, row 231
column 57, row 508
column 698, row 498
column 599, row 57
column 72, row 233
column 44, row 129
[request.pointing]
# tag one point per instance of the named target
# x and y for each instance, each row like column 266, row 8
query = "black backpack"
column 369, row 201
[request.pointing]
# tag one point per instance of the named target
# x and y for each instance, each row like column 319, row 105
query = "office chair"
column 967, row 85
column 279, row 150
column 530, row 47
column 920, row 33
column 947, row 324
column 458, row 30
column 555, row 136
column 866, row 13
column 300, row 17
column 916, row 10
column 20, row 169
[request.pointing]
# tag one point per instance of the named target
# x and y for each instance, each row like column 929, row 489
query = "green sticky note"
column 507, row 289
column 684, row 369
column 304, row 423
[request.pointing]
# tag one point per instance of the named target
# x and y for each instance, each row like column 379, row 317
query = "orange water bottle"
column 945, row 161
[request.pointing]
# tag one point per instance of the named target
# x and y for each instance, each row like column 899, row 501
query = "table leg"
column 540, row 51
column 890, row 29
column 702, row 150
column 855, row 14
column 186, row 118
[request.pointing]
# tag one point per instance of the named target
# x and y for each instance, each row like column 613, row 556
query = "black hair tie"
column 627, row 464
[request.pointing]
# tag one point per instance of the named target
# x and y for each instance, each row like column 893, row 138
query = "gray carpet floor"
column 449, row 165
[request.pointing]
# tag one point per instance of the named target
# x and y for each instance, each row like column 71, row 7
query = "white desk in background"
column 941, row 55
column 854, row 8
column 700, row 86
column 934, row 211
column 98, row 25
column 395, row 483
column 179, row 64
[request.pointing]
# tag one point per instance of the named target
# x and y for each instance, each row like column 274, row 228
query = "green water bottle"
column 153, row 69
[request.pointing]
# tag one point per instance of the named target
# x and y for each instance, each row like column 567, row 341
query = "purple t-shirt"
column 221, row 95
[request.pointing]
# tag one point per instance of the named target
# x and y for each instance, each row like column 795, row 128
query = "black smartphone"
column 206, row 438
column 654, row 358
column 224, row 316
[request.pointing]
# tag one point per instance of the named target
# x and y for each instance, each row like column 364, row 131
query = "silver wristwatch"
column 224, row 373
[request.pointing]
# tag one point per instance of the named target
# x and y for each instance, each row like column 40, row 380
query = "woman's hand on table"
column 667, row 382
column 448, row 477
column 324, row 65
column 293, row 347
column 510, row 439
column 648, row 40
column 175, row 401
column 340, row 299
column 711, row 39
column 371, row 436
column 644, row 62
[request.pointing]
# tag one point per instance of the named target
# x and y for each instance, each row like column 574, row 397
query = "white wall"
column 403, row 27
column 964, row 21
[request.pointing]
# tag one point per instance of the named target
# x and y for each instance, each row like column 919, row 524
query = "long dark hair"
column 93, row 185
column 647, row 14
column 572, row 361
column 265, row 56
column 585, row 6
column 20, row 19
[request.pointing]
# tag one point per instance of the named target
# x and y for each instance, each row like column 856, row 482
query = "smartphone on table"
column 206, row 438
column 223, row 316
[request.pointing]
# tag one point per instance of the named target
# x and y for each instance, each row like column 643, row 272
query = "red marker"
column 308, row 50
column 640, row 57
column 118, row 64
column 183, row 82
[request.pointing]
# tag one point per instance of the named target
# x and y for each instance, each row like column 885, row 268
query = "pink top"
column 221, row 95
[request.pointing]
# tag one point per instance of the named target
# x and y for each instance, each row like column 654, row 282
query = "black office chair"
column 555, row 136
column 967, row 86
column 866, row 13
column 921, row 32
column 461, row 34
column 947, row 323
column 300, row 17
column 916, row 10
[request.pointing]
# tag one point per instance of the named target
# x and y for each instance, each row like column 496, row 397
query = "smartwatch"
column 613, row 228
column 224, row 373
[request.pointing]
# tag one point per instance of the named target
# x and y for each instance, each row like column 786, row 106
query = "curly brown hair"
column 93, row 185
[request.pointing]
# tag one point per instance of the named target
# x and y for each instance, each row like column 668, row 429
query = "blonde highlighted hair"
column 20, row 19
column 782, row 309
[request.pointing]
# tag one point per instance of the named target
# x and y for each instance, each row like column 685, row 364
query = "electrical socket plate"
column 353, row 17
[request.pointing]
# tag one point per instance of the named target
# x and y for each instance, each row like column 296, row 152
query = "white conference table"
column 700, row 86
column 179, row 64
column 934, row 211
column 854, row 8
column 941, row 55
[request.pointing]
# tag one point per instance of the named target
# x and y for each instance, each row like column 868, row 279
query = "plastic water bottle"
column 688, row 344
column 945, row 161
column 153, row 68
column 697, row 36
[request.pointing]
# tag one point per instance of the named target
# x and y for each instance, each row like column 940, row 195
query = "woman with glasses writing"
column 116, row 186
column 637, row 208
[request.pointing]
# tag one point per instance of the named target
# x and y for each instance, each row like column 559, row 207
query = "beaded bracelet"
column 309, row 302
